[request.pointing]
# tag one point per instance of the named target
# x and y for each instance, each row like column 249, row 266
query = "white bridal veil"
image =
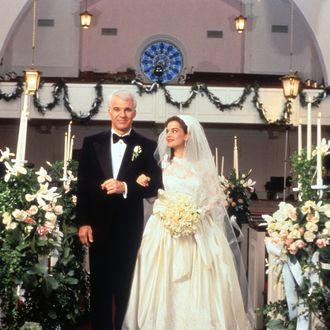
column 197, row 151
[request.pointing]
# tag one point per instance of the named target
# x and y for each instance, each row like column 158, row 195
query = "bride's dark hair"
column 182, row 124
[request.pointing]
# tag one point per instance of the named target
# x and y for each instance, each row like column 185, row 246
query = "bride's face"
column 175, row 136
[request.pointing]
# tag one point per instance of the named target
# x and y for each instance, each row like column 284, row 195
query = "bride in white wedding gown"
column 186, row 277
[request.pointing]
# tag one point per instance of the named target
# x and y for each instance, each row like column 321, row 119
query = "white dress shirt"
column 117, row 153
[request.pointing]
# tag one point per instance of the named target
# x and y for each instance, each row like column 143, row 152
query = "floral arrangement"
column 178, row 214
column 238, row 191
column 42, row 278
column 299, row 237
column 299, row 231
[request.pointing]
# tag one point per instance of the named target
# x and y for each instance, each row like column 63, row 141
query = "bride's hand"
column 143, row 180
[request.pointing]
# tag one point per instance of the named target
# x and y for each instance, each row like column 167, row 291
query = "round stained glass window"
column 161, row 61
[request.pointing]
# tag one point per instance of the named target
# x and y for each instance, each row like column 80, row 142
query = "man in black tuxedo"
column 110, row 207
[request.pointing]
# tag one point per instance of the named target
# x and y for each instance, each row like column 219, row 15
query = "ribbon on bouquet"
column 292, row 276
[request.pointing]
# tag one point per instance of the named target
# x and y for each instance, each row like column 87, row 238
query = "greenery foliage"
column 42, row 277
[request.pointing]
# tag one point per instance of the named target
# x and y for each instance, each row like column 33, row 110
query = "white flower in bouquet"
column 294, row 233
column 14, row 170
column 50, row 216
column 325, row 148
column 33, row 210
column 19, row 215
column 43, row 175
column 178, row 214
column 249, row 184
column 58, row 209
column 6, row 154
column 45, row 194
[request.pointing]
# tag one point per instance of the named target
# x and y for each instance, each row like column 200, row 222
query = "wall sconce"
column 85, row 18
column 32, row 80
column 31, row 75
column 290, row 85
column 240, row 22
column 291, row 81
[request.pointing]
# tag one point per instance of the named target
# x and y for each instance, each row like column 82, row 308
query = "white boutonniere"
column 136, row 152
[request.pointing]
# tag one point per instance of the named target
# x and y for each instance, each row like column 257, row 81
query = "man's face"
column 122, row 114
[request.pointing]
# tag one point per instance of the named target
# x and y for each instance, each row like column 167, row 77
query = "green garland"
column 204, row 91
column 13, row 96
column 94, row 108
column 61, row 87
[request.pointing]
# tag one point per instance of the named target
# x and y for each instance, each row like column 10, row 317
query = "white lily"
column 5, row 155
column 43, row 175
column 45, row 194
column 249, row 183
column 14, row 170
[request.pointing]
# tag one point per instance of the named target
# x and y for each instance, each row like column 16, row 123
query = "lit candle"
column 71, row 148
column 65, row 155
column 319, row 181
column 222, row 164
column 216, row 159
column 299, row 138
column 21, row 141
column 309, row 129
column 236, row 157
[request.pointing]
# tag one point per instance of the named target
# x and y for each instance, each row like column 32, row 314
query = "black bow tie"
column 116, row 138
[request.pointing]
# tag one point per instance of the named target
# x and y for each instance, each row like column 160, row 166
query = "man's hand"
column 86, row 235
column 113, row 186
column 143, row 180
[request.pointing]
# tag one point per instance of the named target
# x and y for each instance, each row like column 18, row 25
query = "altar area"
column 262, row 141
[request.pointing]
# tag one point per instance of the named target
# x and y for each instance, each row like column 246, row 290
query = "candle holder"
column 64, row 179
column 319, row 187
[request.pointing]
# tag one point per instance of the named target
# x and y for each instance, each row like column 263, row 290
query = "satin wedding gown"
column 185, row 283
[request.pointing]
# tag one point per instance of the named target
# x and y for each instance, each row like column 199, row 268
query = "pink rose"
column 302, row 230
column 300, row 244
column 30, row 221
column 293, row 249
column 288, row 242
column 321, row 243
column 42, row 230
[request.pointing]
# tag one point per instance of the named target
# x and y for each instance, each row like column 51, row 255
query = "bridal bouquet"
column 178, row 214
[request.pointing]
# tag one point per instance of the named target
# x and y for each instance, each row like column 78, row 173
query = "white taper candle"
column 309, row 130
column 319, row 181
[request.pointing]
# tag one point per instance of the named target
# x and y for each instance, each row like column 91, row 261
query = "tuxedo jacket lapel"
column 103, row 152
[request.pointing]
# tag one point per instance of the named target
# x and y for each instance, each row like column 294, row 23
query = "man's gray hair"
column 124, row 95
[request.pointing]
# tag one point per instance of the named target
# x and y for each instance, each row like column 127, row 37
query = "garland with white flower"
column 42, row 278
column 299, row 238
